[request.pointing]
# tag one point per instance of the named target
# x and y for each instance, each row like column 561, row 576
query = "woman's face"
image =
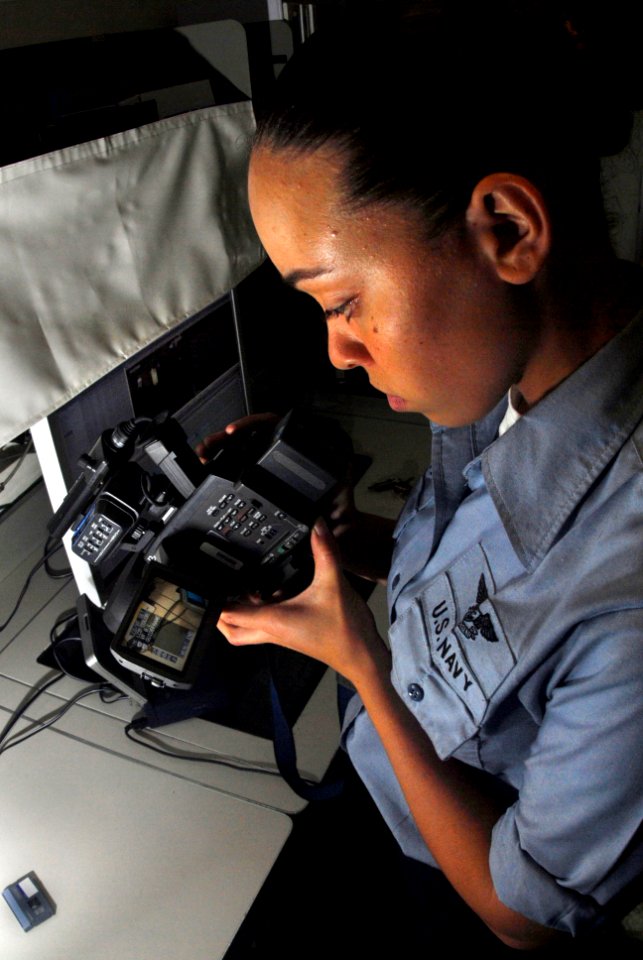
column 430, row 323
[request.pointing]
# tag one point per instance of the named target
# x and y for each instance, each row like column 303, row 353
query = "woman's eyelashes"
column 344, row 309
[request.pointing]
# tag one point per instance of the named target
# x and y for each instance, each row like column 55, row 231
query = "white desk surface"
column 141, row 864
column 142, row 857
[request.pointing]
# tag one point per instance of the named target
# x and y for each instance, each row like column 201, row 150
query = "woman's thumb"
column 324, row 548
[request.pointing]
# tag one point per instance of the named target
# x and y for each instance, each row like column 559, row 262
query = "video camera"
column 183, row 537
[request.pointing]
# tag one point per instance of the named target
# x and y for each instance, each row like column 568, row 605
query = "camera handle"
column 112, row 449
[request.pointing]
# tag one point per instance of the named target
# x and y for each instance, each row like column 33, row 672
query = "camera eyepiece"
column 125, row 431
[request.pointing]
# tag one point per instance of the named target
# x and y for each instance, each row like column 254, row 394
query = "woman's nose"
column 345, row 349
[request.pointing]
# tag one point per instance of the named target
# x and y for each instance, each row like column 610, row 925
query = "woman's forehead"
column 295, row 207
column 307, row 180
column 297, row 204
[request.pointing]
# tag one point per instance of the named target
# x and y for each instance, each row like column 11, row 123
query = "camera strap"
column 286, row 755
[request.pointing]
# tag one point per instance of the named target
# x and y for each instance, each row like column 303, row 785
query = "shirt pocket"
column 450, row 652
column 430, row 672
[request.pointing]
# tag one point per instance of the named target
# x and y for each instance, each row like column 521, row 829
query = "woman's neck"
column 578, row 315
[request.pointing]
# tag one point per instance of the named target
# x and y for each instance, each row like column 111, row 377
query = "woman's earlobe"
column 508, row 220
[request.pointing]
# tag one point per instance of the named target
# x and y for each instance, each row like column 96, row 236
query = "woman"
column 431, row 179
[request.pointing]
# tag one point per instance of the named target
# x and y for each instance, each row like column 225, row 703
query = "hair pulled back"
column 424, row 99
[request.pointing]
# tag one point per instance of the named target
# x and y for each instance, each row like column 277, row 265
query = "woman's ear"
column 509, row 221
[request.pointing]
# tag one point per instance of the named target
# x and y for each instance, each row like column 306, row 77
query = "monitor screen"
column 194, row 372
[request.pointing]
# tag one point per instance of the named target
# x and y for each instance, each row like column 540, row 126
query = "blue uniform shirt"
column 516, row 607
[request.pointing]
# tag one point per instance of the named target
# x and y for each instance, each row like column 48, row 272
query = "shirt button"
column 415, row 691
column 396, row 580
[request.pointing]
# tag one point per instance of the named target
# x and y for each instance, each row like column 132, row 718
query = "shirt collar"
column 452, row 449
column 539, row 470
column 512, row 414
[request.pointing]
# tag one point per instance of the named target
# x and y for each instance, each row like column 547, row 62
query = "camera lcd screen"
column 164, row 625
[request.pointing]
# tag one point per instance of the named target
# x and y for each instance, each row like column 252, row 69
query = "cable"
column 146, row 491
column 103, row 689
column 43, row 723
column 62, row 573
column 18, row 712
column 103, row 694
column 221, row 759
column 25, row 587
column 61, row 634
column 26, row 449
column 62, row 620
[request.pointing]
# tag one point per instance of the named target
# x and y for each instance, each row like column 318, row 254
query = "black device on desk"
column 195, row 535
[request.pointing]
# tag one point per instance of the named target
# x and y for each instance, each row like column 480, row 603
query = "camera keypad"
column 260, row 530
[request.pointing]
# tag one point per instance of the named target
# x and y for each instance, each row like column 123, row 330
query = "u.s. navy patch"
column 466, row 639
column 478, row 628
column 440, row 618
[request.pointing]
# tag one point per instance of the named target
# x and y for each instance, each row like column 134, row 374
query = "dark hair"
column 426, row 98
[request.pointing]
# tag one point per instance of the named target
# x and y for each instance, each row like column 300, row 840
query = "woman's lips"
column 396, row 403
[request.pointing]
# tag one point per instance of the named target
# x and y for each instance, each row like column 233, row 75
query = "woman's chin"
column 397, row 403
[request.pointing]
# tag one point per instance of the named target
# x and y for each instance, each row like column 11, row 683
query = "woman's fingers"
column 210, row 443
column 327, row 621
column 324, row 548
column 288, row 622
column 253, row 418
column 239, row 631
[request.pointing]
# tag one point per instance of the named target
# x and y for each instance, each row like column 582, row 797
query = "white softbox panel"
column 108, row 244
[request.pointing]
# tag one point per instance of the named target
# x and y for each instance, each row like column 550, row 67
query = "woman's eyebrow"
column 296, row 276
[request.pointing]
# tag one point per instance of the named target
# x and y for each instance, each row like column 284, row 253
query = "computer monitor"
column 195, row 372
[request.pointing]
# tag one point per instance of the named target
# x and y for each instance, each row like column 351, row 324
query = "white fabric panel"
column 106, row 245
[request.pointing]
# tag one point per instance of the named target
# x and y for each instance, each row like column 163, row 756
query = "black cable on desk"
column 18, row 712
column 28, row 446
column 58, row 637
column 26, row 584
column 42, row 724
column 103, row 689
column 140, row 723
column 56, row 573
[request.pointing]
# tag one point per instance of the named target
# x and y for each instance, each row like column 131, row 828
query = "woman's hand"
column 328, row 621
column 210, row 444
column 342, row 515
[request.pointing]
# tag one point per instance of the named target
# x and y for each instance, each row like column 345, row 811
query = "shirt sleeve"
column 572, row 841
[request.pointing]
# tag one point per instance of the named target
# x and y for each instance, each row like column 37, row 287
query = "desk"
column 141, row 863
column 146, row 856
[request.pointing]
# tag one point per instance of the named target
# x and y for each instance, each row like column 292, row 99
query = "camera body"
column 200, row 534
